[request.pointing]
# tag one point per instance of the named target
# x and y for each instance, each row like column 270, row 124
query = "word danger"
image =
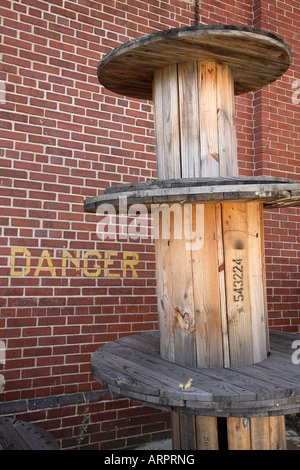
column 86, row 263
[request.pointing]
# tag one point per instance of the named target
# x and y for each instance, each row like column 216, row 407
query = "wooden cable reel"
column 211, row 291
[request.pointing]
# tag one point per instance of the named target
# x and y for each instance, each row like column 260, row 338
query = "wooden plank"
column 278, row 373
column 282, row 340
column 164, row 296
column 147, row 342
column 222, row 285
column 188, row 437
column 149, row 377
column 189, row 119
column 273, row 373
column 260, row 433
column 264, row 281
column 161, row 403
column 181, row 285
column 128, row 368
column 175, row 426
column 122, row 376
column 238, row 434
column 208, row 113
column 226, row 121
column 171, row 122
column 158, row 122
column 207, row 433
column 256, row 279
column 251, row 380
column 245, row 282
column 205, row 276
column 237, row 284
column 260, row 408
column 167, row 119
column 277, row 433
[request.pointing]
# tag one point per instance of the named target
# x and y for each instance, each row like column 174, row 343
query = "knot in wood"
column 184, row 321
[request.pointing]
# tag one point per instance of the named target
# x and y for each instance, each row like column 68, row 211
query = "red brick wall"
column 64, row 138
column 276, row 153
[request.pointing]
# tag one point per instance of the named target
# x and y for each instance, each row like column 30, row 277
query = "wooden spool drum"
column 210, row 269
column 211, row 291
column 212, row 312
column 194, row 120
column 210, row 259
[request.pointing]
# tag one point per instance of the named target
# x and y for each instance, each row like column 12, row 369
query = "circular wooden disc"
column 256, row 57
column 273, row 192
column 133, row 367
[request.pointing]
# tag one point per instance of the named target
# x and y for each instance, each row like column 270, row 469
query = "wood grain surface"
column 133, row 367
column 194, row 121
column 274, row 192
column 256, row 57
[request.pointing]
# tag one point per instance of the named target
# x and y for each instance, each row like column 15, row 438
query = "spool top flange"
column 256, row 57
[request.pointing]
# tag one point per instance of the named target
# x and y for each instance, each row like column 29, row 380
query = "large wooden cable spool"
column 211, row 287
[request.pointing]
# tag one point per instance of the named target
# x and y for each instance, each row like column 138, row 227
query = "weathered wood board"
column 273, row 192
column 167, row 122
column 245, row 284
